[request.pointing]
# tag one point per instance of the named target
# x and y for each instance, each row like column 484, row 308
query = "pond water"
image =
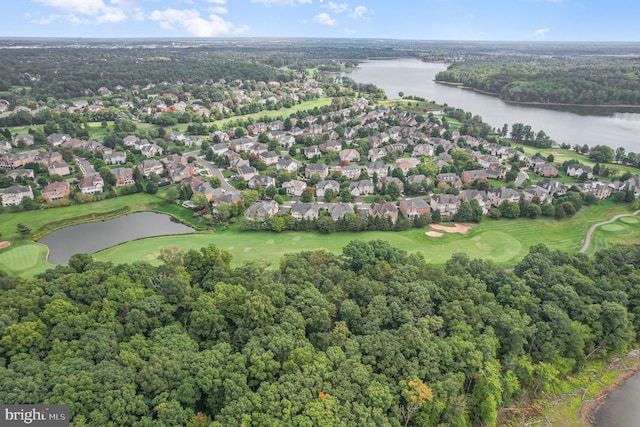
column 621, row 408
column 94, row 236
column 414, row 77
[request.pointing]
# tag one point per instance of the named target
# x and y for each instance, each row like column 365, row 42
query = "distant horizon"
column 221, row 39
column 580, row 21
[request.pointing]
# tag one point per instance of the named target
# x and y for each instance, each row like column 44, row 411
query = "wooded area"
column 374, row 337
column 584, row 80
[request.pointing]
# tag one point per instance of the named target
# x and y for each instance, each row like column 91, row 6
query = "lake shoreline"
column 587, row 412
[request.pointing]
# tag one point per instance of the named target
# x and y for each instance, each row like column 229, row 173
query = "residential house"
column 533, row 191
column 286, row 140
column 115, row 158
column 339, row 210
column 422, row 150
column 222, row 136
column 376, row 154
column 323, row 186
column 18, row 174
column 192, row 140
column 179, row 171
column 447, row 204
column 319, row 169
column 384, row 209
column 378, row 168
column 228, row 198
column 199, row 186
column 247, row 172
column 16, row 160
column 450, row 178
column 576, row 170
column 130, row 140
column 22, row 139
column 56, row 191
column 289, row 165
column 149, row 167
column 174, row 158
column 349, row 155
column 124, row 176
column 175, row 135
column 294, row 187
column 261, row 210
column 13, row 195
column 269, row 157
column 499, row 195
column 240, row 145
column 91, row 184
column 258, row 148
column 350, row 171
column 363, row 187
column 311, row 152
column 597, row 188
column 56, row 139
column 151, row 150
column 468, row 177
column 488, row 161
column 553, row 186
column 330, row 145
column 308, row 211
column 58, row 168
column 413, row 208
column 262, row 181
column 546, row 170
column 388, row 180
column 478, row 195
column 405, row 164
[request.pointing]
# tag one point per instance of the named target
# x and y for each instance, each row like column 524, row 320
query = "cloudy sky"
column 522, row 20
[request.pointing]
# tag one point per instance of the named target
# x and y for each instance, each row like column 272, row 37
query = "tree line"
column 371, row 337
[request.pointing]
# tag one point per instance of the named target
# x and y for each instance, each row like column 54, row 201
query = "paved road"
column 214, row 171
column 587, row 240
column 85, row 167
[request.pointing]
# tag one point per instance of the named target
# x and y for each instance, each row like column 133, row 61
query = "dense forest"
column 372, row 337
column 565, row 80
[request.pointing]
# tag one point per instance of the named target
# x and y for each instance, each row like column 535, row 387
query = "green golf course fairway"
column 23, row 259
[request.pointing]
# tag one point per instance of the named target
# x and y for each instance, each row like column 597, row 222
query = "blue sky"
column 520, row 20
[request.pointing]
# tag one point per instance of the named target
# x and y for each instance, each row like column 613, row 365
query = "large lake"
column 621, row 409
column 94, row 236
column 414, row 77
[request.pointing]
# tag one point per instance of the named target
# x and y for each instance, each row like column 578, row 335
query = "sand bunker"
column 4, row 244
column 433, row 233
column 456, row 228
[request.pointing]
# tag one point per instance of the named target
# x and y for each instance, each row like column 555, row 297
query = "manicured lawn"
column 24, row 259
column 503, row 242
column 624, row 230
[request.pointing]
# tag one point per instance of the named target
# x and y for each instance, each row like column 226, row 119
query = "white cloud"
column 218, row 10
column 337, row 8
column 84, row 7
column 359, row 12
column 281, row 2
column 350, row 31
column 540, row 33
column 217, row 1
column 194, row 24
column 79, row 11
column 325, row 19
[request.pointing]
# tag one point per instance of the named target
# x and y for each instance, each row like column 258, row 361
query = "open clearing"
column 24, row 259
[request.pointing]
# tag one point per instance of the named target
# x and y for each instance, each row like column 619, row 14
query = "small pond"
column 94, row 236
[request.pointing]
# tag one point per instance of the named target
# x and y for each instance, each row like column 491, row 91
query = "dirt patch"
column 587, row 412
column 4, row 244
column 456, row 228
column 433, row 233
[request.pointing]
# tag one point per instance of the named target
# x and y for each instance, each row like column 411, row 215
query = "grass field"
column 503, row 242
column 623, row 230
column 26, row 259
